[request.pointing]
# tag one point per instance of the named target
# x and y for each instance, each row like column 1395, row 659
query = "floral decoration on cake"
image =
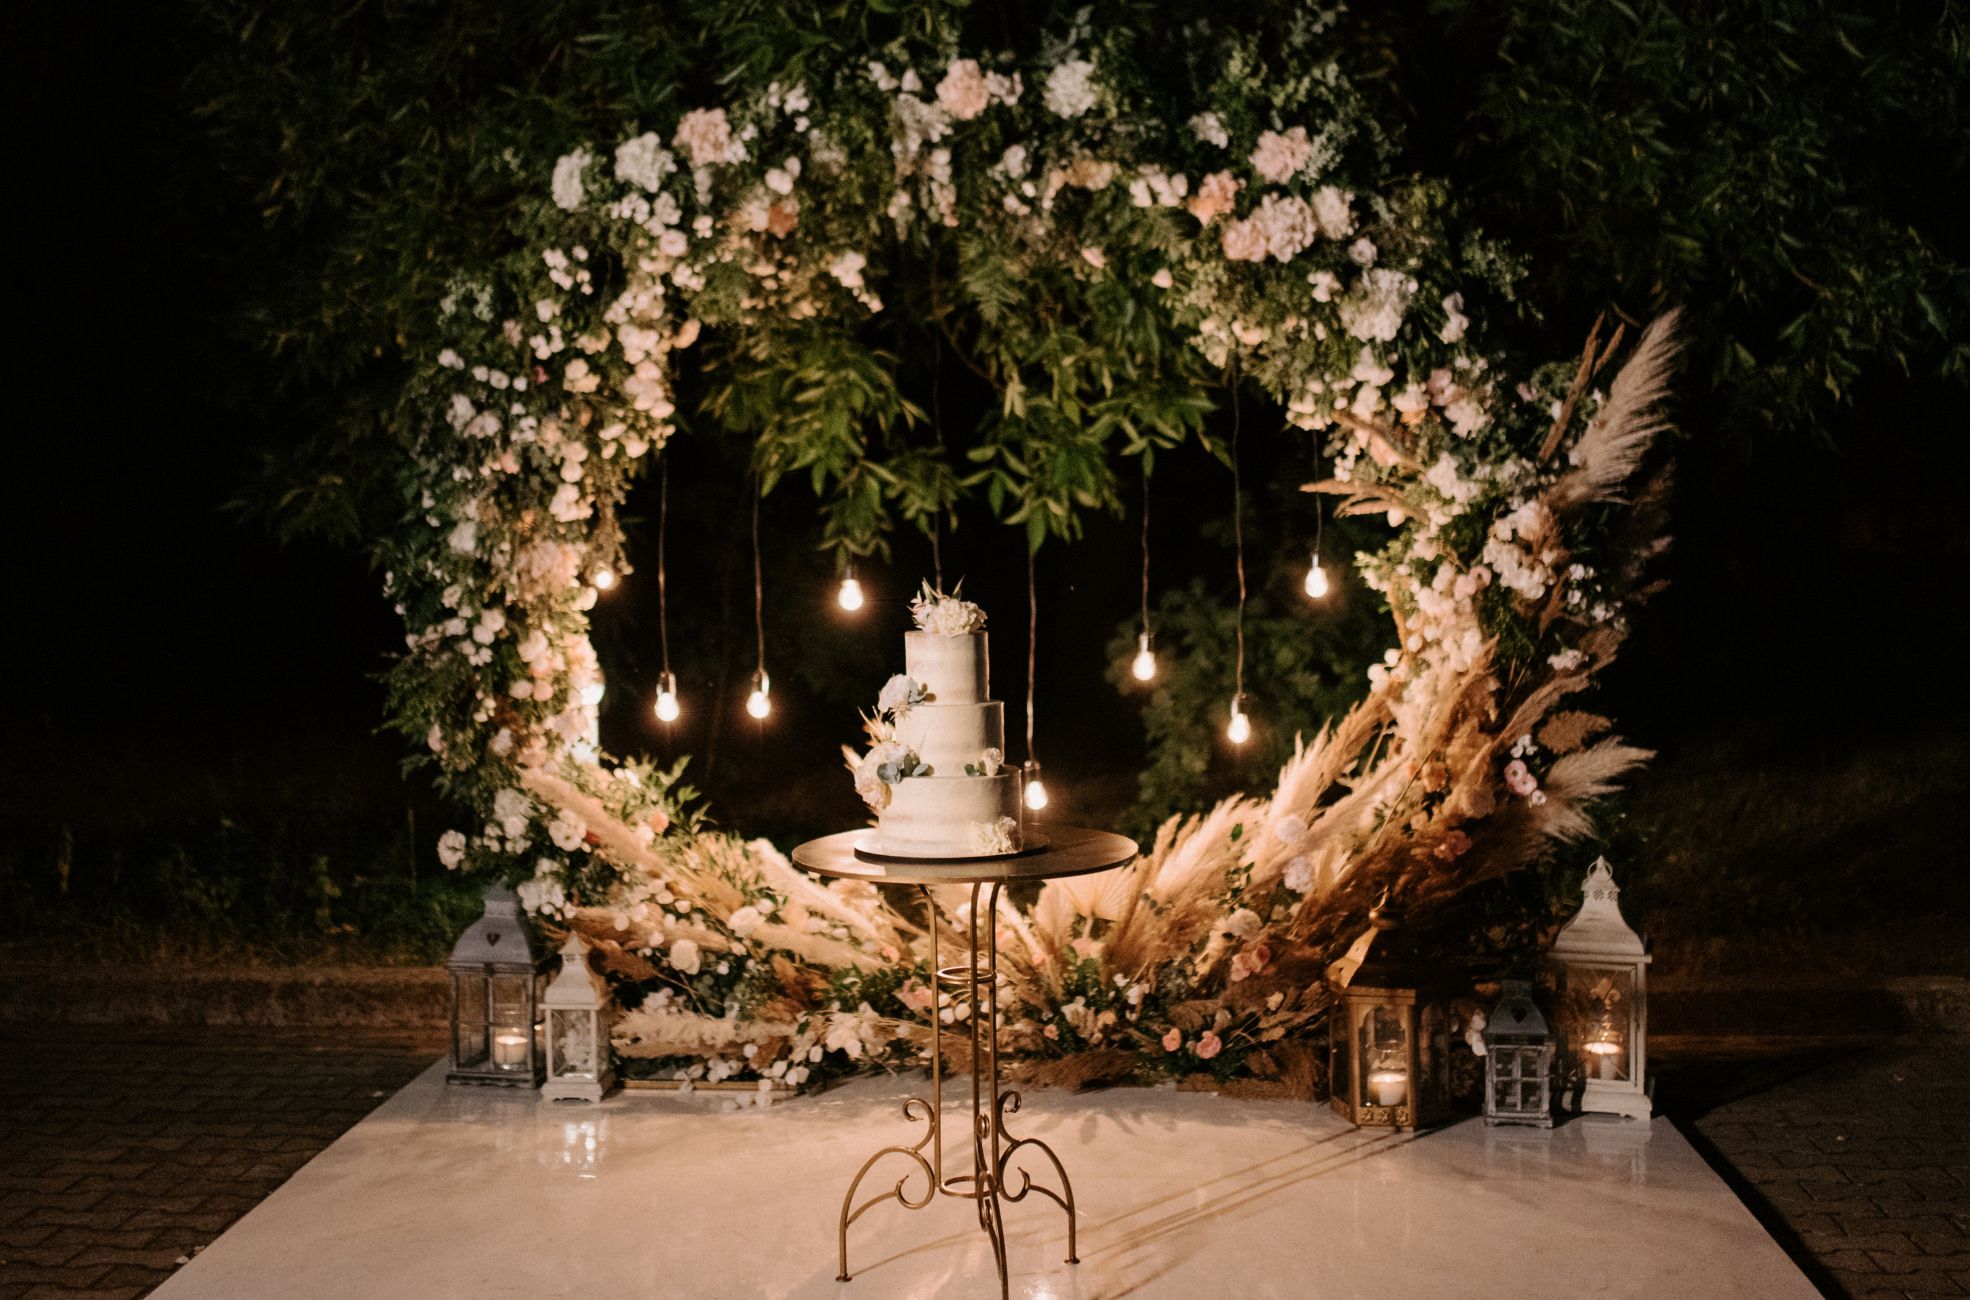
column 988, row 764
column 942, row 615
column 994, row 837
column 889, row 760
column 897, row 696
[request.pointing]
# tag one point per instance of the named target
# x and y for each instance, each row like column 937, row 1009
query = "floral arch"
column 1127, row 220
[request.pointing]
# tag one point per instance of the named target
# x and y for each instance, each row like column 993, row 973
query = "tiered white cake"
column 936, row 773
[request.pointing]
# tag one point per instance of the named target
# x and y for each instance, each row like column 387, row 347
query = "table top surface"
column 1070, row 851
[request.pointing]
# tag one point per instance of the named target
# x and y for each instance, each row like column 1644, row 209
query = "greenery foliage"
column 1788, row 170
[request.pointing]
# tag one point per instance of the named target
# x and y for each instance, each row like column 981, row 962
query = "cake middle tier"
column 953, row 669
column 947, row 737
column 954, row 816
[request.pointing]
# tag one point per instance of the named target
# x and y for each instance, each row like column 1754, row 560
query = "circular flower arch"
column 1113, row 226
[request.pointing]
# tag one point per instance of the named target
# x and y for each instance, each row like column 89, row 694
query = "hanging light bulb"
column 760, row 703
column 1240, row 729
column 851, row 591
column 1316, row 579
column 605, row 579
column 1036, row 789
column 1144, row 666
column 667, row 709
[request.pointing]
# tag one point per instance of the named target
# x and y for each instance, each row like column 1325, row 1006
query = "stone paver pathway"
column 123, row 1151
column 1860, row 1165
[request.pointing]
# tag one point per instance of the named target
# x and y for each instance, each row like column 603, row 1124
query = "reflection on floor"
column 482, row 1193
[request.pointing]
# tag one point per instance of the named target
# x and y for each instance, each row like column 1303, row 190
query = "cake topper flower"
column 942, row 615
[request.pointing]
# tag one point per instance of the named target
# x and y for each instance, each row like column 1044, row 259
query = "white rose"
column 896, row 693
column 451, row 849
column 567, row 831
column 745, row 921
column 684, row 958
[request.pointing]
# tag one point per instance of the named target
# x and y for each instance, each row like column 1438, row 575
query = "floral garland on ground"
column 1262, row 235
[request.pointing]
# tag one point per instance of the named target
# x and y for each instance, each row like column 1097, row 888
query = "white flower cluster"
column 942, row 615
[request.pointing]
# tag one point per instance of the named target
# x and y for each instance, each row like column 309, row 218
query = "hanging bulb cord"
column 1319, row 506
column 1032, row 638
column 758, row 579
column 663, row 529
column 1238, row 531
column 1145, row 547
column 937, row 427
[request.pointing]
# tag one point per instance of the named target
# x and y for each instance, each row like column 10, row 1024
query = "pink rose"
column 1208, row 1046
column 1518, row 777
column 1172, row 1040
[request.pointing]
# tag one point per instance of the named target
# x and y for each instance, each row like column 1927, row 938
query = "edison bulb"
column 605, row 579
column 851, row 594
column 667, row 709
column 1316, row 580
column 760, row 703
column 1144, row 666
column 1036, row 789
column 1240, row 729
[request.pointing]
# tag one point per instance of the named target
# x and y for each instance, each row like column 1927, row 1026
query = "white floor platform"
column 484, row 1193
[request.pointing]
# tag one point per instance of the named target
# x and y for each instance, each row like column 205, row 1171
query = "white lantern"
column 1604, row 990
column 577, row 1007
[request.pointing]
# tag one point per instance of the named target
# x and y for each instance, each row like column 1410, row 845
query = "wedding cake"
column 935, row 770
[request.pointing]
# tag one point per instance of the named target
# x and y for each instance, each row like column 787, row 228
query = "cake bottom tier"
column 951, row 816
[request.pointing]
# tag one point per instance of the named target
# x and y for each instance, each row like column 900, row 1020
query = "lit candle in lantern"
column 1388, row 1087
column 509, row 1049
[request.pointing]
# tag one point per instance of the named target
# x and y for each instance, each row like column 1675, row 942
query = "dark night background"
column 173, row 668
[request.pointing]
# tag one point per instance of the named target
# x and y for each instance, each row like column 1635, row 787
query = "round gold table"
column 1068, row 851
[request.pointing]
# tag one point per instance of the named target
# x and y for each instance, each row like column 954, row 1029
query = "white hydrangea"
column 567, row 184
column 1375, row 310
column 1070, row 88
column 1280, row 156
column 644, row 161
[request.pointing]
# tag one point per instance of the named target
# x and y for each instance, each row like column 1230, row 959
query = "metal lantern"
column 1604, row 969
column 496, row 982
column 1518, row 1061
column 1389, row 1039
column 577, row 1030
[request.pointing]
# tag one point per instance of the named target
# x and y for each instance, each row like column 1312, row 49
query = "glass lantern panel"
column 512, row 1021
column 1433, row 1053
column 571, row 1044
column 1607, row 1028
column 471, row 1039
column 1384, row 1062
column 1340, row 1071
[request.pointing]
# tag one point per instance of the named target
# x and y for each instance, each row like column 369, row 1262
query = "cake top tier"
column 951, row 669
column 942, row 615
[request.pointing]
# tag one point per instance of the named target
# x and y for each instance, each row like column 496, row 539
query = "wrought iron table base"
column 992, row 1148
